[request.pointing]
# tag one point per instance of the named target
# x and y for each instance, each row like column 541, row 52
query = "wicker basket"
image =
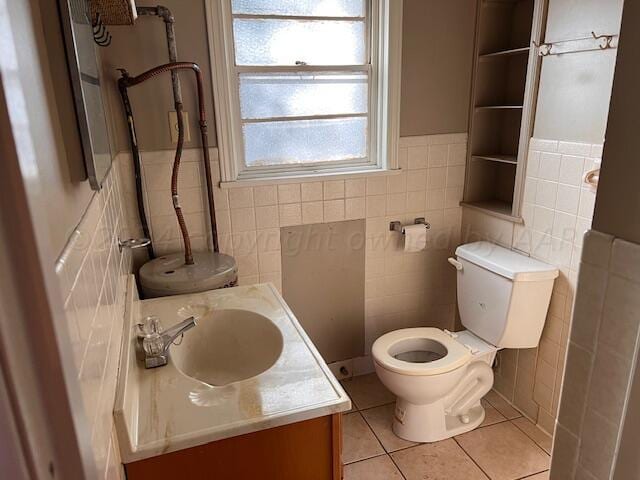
column 113, row 12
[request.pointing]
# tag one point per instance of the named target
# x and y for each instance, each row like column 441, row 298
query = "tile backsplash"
column 401, row 289
column 92, row 274
column 557, row 210
column 602, row 351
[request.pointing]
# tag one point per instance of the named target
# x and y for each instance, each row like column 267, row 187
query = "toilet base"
column 429, row 423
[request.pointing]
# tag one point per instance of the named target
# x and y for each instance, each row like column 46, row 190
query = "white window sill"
column 305, row 178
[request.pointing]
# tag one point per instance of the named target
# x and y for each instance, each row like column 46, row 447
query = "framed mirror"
column 82, row 59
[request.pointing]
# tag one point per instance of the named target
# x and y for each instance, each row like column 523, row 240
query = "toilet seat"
column 383, row 351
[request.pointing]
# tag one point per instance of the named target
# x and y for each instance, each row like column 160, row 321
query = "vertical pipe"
column 207, row 161
column 165, row 14
column 188, row 255
column 128, row 81
column 135, row 153
column 169, row 21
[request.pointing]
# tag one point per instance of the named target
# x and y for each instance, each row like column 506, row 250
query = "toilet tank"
column 503, row 296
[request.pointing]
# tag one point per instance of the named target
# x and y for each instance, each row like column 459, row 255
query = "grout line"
column 374, row 433
column 410, row 447
column 520, row 414
column 382, row 445
column 365, row 459
column 530, row 437
column 397, row 466
column 470, row 457
column 533, row 474
column 377, row 406
column 490, row 425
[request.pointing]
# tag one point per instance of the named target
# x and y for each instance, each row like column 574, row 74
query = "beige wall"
column 617, row 207
column 628, row 462
column 618, row 210
column 600, row 359
column 93, row 273
column 143, row 46
column 435, row 88
column 437, row 50
column 66, row 189
column 575, row 88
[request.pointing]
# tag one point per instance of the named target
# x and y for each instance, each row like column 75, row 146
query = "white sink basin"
column 227, row 346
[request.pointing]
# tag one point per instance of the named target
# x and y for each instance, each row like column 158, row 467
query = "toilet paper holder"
column 396, row 226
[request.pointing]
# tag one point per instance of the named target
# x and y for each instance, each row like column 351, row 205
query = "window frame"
column 383, row 52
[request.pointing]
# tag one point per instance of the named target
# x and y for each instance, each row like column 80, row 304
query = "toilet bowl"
column 440, row 377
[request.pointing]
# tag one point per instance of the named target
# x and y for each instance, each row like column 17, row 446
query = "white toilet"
column 439, row 377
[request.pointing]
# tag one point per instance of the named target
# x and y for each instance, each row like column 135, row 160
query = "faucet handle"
column 153, row 345
column 150, row 326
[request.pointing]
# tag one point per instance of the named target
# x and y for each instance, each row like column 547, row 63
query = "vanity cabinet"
column 309, row 450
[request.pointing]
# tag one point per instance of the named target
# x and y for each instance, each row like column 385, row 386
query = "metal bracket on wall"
column 397, row 226
column 585, row 44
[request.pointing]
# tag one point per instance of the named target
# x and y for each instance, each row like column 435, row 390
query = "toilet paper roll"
column 415, row 237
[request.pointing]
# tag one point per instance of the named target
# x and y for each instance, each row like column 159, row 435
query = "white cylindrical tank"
column 503, row 296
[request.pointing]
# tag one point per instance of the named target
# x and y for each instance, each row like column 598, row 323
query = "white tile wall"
column 92, row 274
column 156, row 176
column 401, row 289
column 602, row 350
column 557, row 211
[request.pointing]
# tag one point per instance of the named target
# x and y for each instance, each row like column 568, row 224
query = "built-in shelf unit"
column 503, row 95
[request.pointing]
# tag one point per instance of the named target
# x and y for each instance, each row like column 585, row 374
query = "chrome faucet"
column 154, row 343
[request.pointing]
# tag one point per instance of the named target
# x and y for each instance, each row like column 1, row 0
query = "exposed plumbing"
column 135, row 153
column 127, row 81
column 165, row 14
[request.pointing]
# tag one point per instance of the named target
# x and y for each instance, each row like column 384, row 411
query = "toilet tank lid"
column 506, row 263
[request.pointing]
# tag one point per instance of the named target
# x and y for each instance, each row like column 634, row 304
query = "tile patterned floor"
column 506, row 446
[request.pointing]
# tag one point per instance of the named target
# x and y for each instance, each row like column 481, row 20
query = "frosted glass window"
column 300, row 85
column 283, row 95
column 305, row 141
column 301, row 8
column 285, row 42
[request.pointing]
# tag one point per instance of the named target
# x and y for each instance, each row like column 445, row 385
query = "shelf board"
column 498, row 107
column 505, row 53
column 496, row 208
column 510, row 159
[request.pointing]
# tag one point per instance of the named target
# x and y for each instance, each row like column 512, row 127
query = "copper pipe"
column 129, row 81
column 167, row 17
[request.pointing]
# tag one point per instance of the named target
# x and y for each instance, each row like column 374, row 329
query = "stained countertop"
column 163, row 410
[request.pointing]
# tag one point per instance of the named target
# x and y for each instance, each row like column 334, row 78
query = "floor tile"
column 538, row 476
column 366, row 391
column 358, row 441
column 380, row 420
column 502, row 405
column 378, row 468
column 543, row 439
column 491, row 416
column 353, row 407
column 443, row 460
column 504, row 452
